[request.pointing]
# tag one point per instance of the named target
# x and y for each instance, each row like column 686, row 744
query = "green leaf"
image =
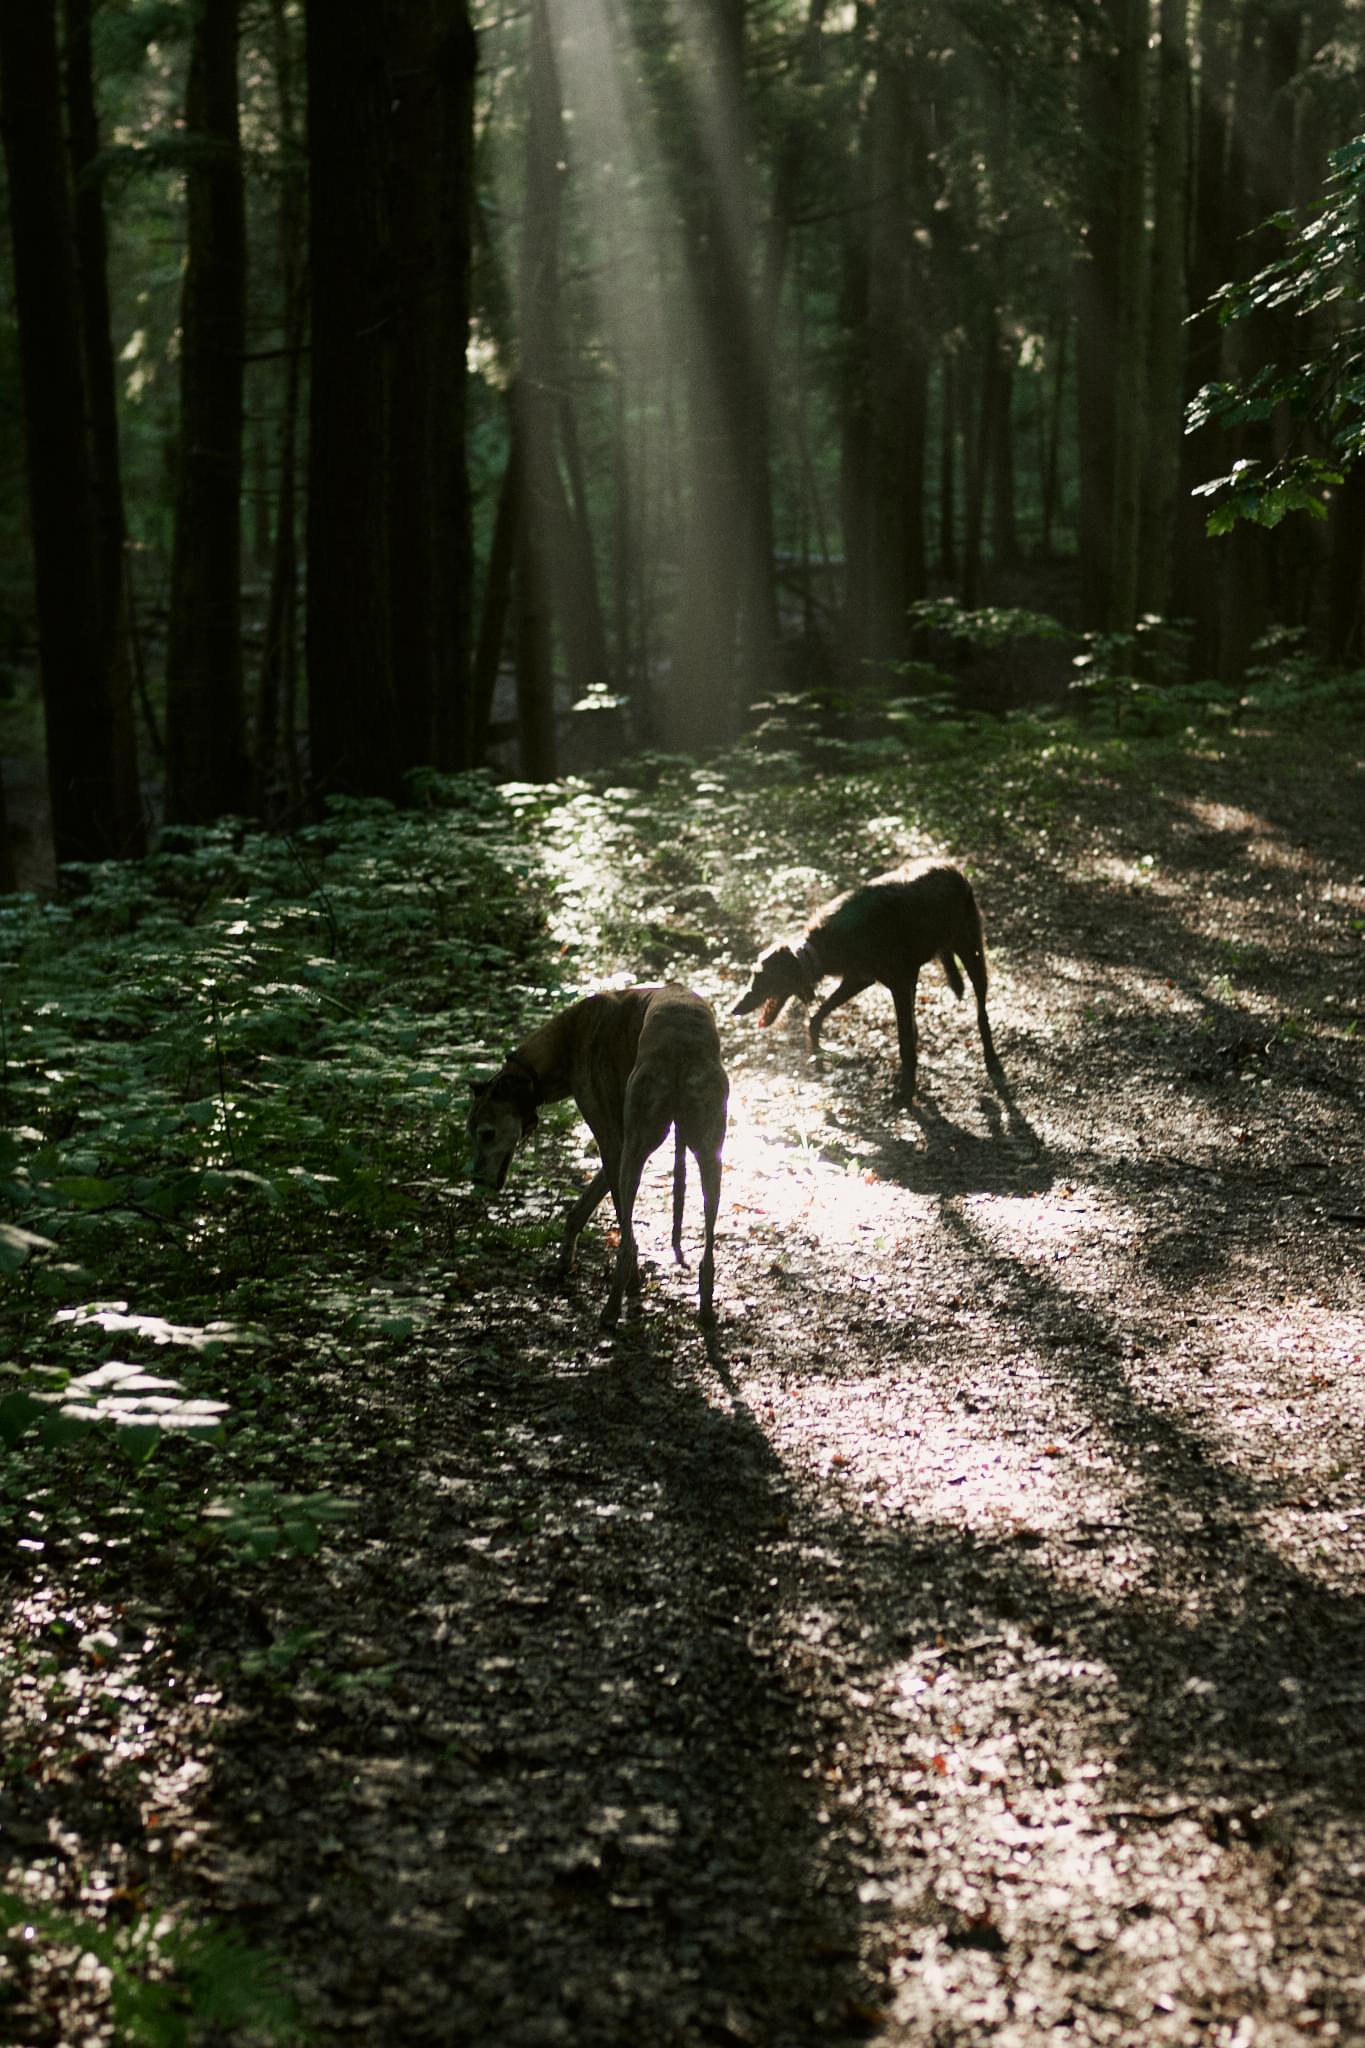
column 17, row 1245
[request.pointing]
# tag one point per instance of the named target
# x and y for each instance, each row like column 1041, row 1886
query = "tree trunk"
column 1056, row 414
column 431, row 81
column 206, row 761
column 1166, row 343
column 533, row 400
column 980, row 444
column 276, row 684
column 497, row 590
column 1345, row 631
column 1097, row 300
column 96, row 813
column 725, row 586
column 589, row 635
column 390, row 98
column 1004, row 524
column 1131, row 25
column 887, row 395
column 93, row 285
column 947, row 474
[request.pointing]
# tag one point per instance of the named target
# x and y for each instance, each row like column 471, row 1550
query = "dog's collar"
column 516, row 1060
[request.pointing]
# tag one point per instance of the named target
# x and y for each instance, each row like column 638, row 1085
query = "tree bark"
column 1168, row 307
column 96, row 813
column 352, row 709
column 1097, row 299
column 276, row 684
column 1345, row 627
column 431, row 83
column 207, row 771
column 1131, row 25
column 390, row 109
column 533, row 399
column 725, row 598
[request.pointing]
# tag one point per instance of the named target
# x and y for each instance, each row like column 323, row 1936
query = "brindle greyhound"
column 635, row 1060
column 884, row 932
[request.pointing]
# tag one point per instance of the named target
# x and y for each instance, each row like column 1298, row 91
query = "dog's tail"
column 954, row 973
column 679, row 1191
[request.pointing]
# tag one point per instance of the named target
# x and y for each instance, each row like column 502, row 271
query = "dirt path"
column 968, row 1645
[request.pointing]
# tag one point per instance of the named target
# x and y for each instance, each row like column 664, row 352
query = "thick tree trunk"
column 388, row 552
column 207, row 771
column 96, row 813
column 725, row 594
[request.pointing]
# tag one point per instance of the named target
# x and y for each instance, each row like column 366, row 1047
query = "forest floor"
column 964, row 1643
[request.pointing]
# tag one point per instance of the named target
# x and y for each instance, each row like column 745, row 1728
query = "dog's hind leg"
column 903, row 996
column 853, row 985
column 974, row 960
column 709, row 1166
column 578, row 1216
column 641, row 1139
column 679, row 1193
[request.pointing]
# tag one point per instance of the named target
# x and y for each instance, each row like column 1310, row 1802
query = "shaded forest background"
column 415, row 385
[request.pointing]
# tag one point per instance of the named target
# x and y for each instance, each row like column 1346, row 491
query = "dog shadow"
column 1006, row 1157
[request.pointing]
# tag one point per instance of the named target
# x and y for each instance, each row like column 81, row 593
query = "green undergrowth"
column 233, row 1080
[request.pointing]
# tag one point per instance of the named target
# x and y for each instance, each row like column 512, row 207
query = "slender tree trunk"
column 1345, row 628
column 1056, row 414
column 533, row 398
column 9, row 880
column 279, row 654
column 497, row 589
column 1199, row 564
column 93, row 285
column 431, row 61
column 96, row 814
column 980, row 444
column 1097, row 301
column 206, row 761
column 1166, row 343
column 1004, row 524
column 947, row 475
column 1131, row 24
column 352, row 712
column 595, row 660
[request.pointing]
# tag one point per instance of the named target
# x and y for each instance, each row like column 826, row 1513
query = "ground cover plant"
column 963, row 1644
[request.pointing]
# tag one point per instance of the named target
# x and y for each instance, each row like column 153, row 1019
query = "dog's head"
column 778, row 975
column 501, row 1114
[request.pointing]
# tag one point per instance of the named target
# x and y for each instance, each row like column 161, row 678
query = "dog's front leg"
column 578, row 1216
column 852, row 985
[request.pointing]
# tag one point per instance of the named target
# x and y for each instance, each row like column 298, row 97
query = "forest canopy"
column 422, row 386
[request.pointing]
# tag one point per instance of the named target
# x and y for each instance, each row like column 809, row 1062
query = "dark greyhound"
column 636, row 1061
column 884, row 932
